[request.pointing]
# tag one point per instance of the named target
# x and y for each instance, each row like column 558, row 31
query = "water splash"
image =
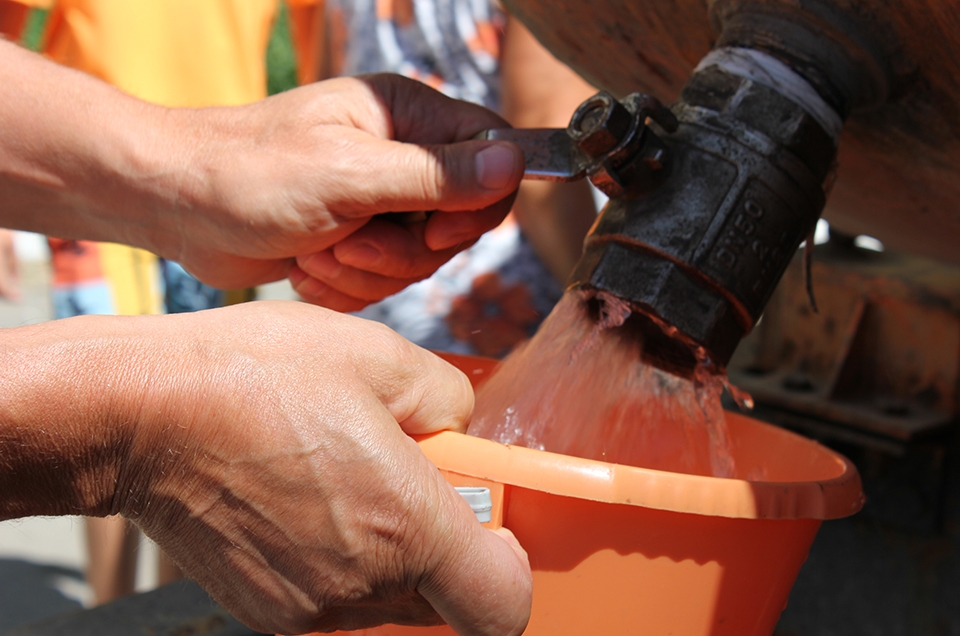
column 579, row 388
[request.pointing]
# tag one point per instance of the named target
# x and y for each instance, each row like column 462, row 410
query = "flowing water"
column 579, row 388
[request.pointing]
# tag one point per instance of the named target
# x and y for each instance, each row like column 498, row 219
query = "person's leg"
column 112, row 550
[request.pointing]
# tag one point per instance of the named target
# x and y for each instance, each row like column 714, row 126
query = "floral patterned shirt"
column 490, row 297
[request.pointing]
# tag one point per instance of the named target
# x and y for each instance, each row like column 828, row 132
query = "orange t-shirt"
column 189, row 53
column 171, row 52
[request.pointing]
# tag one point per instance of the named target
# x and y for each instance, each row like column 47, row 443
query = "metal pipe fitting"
column 700, row 254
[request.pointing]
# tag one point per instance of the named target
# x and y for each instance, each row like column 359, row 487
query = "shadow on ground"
column 30, row 592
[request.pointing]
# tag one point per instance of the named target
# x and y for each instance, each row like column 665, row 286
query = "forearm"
column 235, row 194
column 80, row 159
column 70, row 395
column 264, row 447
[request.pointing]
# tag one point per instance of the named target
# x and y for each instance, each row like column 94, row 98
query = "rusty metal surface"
column 178, row 609
column 899, row 162
column 882, row 355
column 879, row 364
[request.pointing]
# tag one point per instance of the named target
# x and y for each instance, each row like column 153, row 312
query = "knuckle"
column 414, row 268
column 435, row 172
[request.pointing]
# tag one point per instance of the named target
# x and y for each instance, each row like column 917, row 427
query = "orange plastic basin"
column 621, row 550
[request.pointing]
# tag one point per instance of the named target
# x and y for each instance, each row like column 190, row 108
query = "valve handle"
column 550, row 153
column 606, row 140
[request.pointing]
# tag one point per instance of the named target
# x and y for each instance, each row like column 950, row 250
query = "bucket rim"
column 566, row 476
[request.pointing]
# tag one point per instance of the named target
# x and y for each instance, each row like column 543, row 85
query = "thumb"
column 481, row 584
column 404, row 177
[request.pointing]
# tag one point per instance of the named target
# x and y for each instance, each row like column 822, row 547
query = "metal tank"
column 780, row 107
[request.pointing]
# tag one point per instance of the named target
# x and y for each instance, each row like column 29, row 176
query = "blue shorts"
column 89, row 297
column 183, row 293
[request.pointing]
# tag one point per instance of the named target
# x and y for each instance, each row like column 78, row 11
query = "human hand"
column 301, row 172
column 235, row 194
column 277, row 471
column 378, row 260
column 9, row 276
column 538, row 91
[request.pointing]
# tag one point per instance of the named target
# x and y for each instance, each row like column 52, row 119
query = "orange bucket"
column 617, row 550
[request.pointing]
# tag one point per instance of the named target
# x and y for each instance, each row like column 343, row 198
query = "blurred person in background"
column 9, row 275
column 492, row 296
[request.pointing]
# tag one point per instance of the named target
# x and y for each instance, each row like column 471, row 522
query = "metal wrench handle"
column 550, row 153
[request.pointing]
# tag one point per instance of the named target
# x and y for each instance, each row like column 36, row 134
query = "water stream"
column 579, row 388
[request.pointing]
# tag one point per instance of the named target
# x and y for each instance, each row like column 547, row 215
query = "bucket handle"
column 497, row 494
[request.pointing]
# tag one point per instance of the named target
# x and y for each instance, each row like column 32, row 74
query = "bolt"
column 599, row 124
column 592, row 117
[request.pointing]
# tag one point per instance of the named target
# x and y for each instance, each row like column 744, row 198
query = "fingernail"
column 497, row 166
column 322, row 264
column 362, row 256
